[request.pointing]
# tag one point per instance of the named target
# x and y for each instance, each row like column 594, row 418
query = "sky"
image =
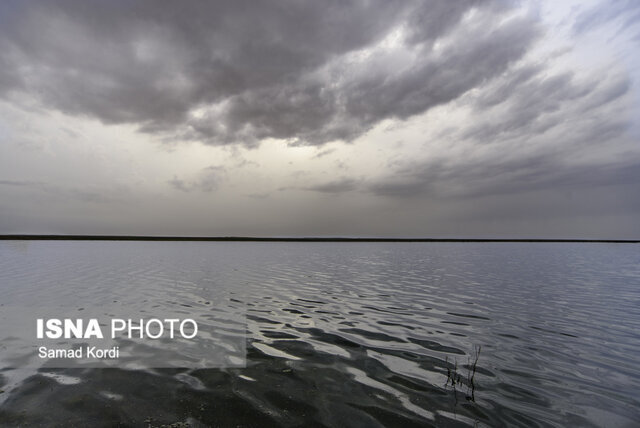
column 464, row 119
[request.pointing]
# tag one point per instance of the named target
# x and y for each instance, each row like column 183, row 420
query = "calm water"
column 350, row 334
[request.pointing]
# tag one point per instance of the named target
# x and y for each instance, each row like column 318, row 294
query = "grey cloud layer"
column 238, row 72
column 530, row 129
column 535, row 129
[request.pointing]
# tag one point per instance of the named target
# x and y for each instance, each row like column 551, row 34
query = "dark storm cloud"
column 442, row 77
column 239, row 72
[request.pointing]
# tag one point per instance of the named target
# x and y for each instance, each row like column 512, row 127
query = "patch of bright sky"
column 65, row 150
column 605, row 46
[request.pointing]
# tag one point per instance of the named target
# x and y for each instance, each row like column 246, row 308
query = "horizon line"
column 39, row 237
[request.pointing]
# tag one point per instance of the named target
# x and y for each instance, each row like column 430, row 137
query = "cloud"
column 459, row 113
column 20, row 183
column 529, row 130
column 626, row 12
column 323, row 153
column 338, row 186
column 503, row 178
column 207, row 180
column 179, row 184
column 233, row 72
column 531, row 102
column 415, row 186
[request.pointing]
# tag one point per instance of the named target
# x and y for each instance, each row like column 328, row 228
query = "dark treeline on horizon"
column 292, row 239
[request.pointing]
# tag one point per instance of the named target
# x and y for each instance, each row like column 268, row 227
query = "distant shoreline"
column 307, row 239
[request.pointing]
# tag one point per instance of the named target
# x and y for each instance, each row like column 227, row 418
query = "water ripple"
column 352, row 334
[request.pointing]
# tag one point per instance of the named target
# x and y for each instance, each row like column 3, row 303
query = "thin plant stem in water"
column 454, row 378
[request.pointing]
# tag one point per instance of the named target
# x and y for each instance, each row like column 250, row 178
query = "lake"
column 342, row 334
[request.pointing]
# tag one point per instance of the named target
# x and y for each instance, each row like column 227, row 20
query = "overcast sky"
column 321, row 118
